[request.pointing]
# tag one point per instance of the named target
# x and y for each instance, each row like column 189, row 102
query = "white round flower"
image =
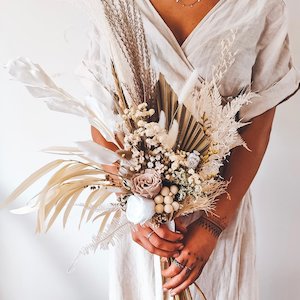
column 150, row 165
column 142, row 106
column 168, row 208
column 139, row 209
column 168, row 200
column 159, row 199
column 159, row 208
column 165, row 191
column 174, row 189
column 175, row 205
column 151, row 111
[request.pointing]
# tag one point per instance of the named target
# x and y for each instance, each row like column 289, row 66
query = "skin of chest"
column 182, row 20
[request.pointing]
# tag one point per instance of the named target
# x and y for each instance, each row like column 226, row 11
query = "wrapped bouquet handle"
column 162, row 264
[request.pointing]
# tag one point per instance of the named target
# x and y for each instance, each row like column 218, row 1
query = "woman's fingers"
column 181, row 285
column 152, row 242
column 162, row 231
column 152, row 249
column 175, row 268
column 182, row 276
column 142, row 241
column 184, row 279
column 178, row 279
column 183, row 272
column 159, row 243
column 166, row 234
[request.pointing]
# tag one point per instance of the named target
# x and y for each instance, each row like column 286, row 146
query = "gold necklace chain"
column 187, row 5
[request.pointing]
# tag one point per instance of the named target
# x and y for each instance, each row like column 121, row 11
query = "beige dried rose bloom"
column 148, row 184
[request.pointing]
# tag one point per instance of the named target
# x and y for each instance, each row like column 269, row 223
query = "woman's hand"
column 199, row 244
column 162, row 241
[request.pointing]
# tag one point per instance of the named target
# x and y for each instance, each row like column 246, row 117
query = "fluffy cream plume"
column 125, row 22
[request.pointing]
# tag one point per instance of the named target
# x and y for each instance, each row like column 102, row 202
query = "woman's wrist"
column 214, row 224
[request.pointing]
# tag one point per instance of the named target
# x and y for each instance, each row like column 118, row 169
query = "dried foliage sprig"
column 125, row 21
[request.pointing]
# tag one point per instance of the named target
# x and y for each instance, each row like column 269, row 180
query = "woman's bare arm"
column 99, row 139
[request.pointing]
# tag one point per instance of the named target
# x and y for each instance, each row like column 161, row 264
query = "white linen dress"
column 264, row 62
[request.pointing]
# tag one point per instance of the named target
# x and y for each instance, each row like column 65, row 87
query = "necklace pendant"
column 191, row 5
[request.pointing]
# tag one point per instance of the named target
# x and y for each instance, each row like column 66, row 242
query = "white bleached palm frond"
column 41, row 86
column 63, row 190
column 96, row 76
column 88, row 151
column 98, row 153
column 64, row 187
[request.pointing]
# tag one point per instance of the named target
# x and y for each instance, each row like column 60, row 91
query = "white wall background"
column 33, row 267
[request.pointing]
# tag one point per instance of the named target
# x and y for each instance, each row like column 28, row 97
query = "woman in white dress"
column 217, row 253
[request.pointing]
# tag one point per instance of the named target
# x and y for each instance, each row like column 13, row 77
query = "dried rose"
column 148, row 184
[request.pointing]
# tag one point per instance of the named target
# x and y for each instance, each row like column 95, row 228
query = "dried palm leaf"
column 62, row 150
column 61, row 204
column 30, row 180
column 41, row 86
column 105, row 220
column 99, row 154
column 103, row 196
column 190, row 131
column 89, row 201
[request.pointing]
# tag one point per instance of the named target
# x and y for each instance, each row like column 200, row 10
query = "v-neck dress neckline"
column 191, row 34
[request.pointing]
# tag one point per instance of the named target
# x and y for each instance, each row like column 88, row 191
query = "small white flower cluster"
column 138, row 113
column 146, row 140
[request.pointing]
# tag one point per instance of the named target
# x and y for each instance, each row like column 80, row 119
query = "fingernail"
column 176, row 254
column 172, row 294
column 181, row 247
column 179, row 232
column 164, row 259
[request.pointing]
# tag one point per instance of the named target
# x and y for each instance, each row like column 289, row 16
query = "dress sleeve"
column 274, row 77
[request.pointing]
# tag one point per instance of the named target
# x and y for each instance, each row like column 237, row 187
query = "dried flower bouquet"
column 169, row 157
